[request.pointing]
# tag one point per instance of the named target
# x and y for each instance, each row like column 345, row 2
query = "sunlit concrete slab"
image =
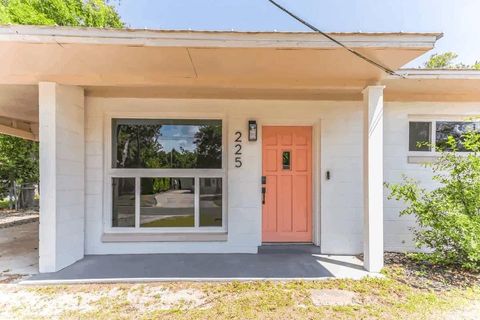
column 344, row 267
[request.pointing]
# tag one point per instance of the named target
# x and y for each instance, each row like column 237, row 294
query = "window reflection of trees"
column 143, row 146
column 456, row 129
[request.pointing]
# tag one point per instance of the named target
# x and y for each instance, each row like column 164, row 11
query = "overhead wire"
column 326, row 35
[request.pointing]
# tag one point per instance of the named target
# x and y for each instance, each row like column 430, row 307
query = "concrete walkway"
column 205, row 267
column 19, row 250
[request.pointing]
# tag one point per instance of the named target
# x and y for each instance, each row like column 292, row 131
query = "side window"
column 420, row 136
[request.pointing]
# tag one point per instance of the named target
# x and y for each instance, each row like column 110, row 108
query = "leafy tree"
column 446, row 60
column 142, row 146
column 183, row 158
column 448, row 217
column 18, row 157
column 441, row 61
column 18, row 165
column 138, row 147
column 84, row 13
column 209, row 146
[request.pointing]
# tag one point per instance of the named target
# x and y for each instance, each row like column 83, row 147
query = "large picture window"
column 423, row 135
column 167, row 174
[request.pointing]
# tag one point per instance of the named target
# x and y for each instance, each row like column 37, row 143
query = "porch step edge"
column 288, row 249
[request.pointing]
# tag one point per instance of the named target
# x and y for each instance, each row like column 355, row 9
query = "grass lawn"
column 180, row 221
column 409, row 291
column 184, row 221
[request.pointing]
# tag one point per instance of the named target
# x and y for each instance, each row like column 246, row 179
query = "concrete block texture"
column 62, row 170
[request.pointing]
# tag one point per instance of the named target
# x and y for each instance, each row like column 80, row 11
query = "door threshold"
column 289, row 248
column 287, row 243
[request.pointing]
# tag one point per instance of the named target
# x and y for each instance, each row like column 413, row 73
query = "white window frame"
column 110, row 173
column 433, row 120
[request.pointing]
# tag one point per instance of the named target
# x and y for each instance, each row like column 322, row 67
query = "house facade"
column 219, row 142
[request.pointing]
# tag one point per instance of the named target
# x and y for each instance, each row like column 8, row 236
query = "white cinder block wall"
column 338, row 137
column 62, row 216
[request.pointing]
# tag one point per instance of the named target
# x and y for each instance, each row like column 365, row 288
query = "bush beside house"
column 449, row 216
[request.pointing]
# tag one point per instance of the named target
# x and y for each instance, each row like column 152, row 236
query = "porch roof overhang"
column 200, row 64
column 109, row 57
column 461, row 85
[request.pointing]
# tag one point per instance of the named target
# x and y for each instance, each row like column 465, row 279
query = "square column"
column 373, row 178
column 62, row 168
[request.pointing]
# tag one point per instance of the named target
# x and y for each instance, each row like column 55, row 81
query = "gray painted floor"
column 19, row 255
column 191, row 266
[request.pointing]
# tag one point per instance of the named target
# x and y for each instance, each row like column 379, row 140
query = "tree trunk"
column 15, row 195
column 27, row 196
column 10, row 195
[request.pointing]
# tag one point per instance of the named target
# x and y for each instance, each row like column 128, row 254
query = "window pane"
column 420, row 133
column 456, row 129
column 148, row 143
column 286, row 160
column 123, row 211
column 210, row 202
column 167, row 202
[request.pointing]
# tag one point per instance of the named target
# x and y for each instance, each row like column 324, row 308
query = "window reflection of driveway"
column 210, row 201
column 166, row 205
column 176, row 203
column 171, row 203
column 125, row 215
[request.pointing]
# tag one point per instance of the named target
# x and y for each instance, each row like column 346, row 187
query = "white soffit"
column 108, row 57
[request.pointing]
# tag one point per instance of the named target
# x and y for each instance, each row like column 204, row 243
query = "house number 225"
column 237, row 149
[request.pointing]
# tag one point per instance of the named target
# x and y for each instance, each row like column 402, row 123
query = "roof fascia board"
column 439, row 74
column 34, row 34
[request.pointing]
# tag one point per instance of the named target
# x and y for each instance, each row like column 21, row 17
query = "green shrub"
column 448, row 216
column 4, row 204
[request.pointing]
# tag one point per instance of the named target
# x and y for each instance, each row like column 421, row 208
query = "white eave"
column 440, row 74
column 175, row 38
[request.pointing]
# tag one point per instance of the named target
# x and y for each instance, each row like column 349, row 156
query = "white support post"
column 62, row 171
column 373, row 178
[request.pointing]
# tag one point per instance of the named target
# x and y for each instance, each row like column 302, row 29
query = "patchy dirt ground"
column 67, row 302
column 10, row 218
column 18, row 252
column 427, row 276
column 410, row 290
column 469, row 312
column 406, row 292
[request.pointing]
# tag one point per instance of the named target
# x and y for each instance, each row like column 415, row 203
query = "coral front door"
column 287, row 178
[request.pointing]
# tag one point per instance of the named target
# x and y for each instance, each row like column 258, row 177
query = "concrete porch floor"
column 19, row 255
column 293, row 265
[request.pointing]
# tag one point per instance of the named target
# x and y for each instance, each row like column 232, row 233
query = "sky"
column 459, row 20
column 178, row 136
